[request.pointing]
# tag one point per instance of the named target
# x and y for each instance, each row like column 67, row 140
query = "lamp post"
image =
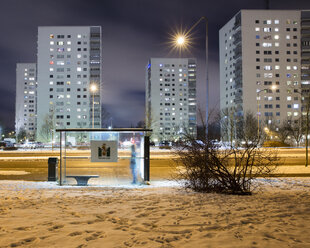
column 258, row 114
column 181, row 40
column 93, row 89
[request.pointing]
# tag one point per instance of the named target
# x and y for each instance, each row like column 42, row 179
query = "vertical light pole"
column 93, row 89
column 181, row 40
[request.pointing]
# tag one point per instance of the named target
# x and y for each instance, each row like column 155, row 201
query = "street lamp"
column 258, row 98
column 93, row 89
column 183, row 41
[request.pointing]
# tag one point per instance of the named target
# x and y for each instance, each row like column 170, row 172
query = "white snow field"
column 163, row 214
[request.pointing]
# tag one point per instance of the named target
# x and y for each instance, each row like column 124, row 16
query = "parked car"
column 40, row 145
column 32, row 145
column 6, row 143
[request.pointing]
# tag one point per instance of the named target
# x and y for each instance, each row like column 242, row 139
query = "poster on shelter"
column 103, row 151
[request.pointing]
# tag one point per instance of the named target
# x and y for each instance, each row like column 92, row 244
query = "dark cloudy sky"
column 133, row 31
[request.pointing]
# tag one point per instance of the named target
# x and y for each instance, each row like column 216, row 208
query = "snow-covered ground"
column 43, row 214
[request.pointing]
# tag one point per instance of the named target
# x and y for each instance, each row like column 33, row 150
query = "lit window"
column 51, row 82
column 69, row 49
column 296, row 106
column 276, row 29
column 79, row 69
column 79, row 56
column 295, row 113
column 268, row 21
column 288, row 67
column 257, row 29
column 68, row 42
column 288, row 37
column 51, row 69
column 51, row 49
column 267, row 75
column 68, row 96
column 267, row 29
column 289, row 98
column 51, row 42
column 60, row 63
column 60, row 43
column 79, row 37
column 294, row 67
column 276, row 37
column 276, row 22
column 267, row 67
column 276, row 44
column 267, row 44
column 277, row 67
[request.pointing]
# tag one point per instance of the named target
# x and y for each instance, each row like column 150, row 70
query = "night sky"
column 132, row 32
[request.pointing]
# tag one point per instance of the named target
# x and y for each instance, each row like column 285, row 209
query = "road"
column 32, row 165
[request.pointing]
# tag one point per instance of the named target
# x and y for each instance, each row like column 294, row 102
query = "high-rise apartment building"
column 171, row 97
column 69, row 78
column 264, row 63
column 25, row 109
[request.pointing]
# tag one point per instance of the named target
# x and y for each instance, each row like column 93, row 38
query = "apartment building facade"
column 262, row 66
column 26, row 99
column 69, row 78
column 171, row 98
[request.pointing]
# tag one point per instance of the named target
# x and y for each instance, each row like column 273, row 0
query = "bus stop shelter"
column 102, row 156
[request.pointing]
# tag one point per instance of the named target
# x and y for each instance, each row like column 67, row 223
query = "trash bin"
column 52, row 169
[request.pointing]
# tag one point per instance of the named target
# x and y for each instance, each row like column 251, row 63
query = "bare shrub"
column 203, row 165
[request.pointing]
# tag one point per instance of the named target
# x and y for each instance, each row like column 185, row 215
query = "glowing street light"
column 180, row 40
column 93, row 89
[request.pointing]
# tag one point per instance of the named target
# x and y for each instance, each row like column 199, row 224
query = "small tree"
column 22, row 134
column 297, row 129
column 204, row 166
column 284, row 130
column 47, row 128
column 105, row 117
